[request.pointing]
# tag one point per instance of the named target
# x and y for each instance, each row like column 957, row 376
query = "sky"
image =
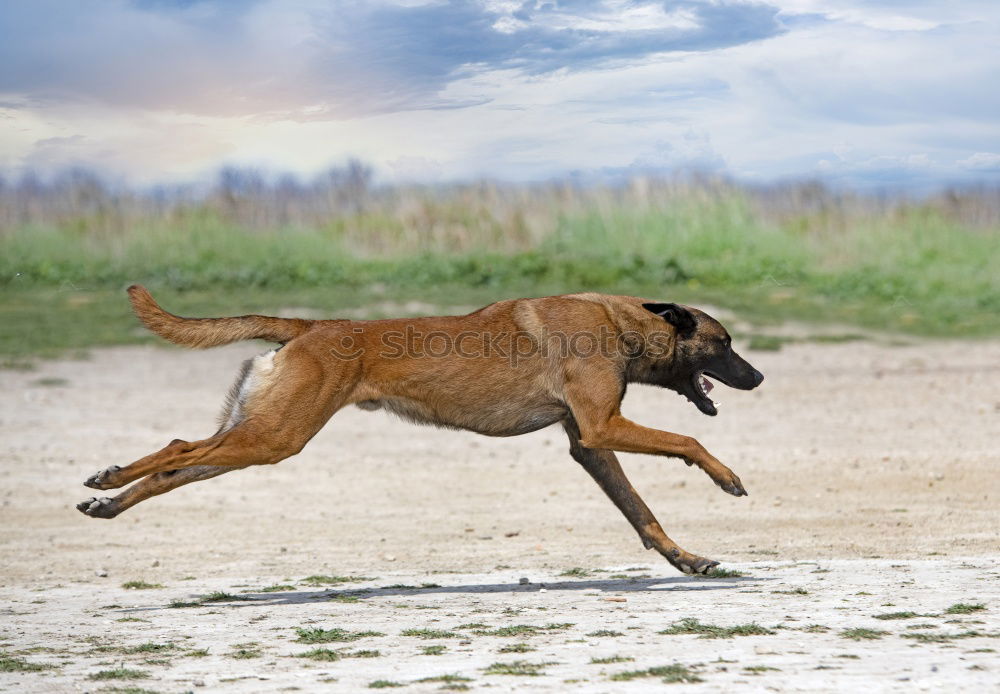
column 862, row 94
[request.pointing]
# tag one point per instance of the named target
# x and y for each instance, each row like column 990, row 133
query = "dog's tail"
column 211, row 332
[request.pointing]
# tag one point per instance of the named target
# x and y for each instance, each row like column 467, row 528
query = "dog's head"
column 702, row 347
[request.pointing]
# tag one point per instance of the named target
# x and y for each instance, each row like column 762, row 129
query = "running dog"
column 510, row 368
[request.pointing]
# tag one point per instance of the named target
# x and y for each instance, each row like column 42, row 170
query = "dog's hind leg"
column 604, row 467
column 279, row 416
column 153, row 485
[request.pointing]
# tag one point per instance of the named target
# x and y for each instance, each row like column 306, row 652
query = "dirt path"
column 856, row 456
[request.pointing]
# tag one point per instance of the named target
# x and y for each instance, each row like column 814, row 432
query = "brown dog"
column 510, row 368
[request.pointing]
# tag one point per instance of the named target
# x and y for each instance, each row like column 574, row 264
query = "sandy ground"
column 872, row 472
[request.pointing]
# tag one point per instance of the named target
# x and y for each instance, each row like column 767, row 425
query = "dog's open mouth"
column 700, row 388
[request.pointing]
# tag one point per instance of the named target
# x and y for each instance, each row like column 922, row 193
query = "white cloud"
column 982, row 161
column 864, row 93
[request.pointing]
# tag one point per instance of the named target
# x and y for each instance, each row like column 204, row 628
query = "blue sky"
column 863, row 94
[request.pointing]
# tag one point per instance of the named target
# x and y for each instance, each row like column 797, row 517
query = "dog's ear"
column 676, row 315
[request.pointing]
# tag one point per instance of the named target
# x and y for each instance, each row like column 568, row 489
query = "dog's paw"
column 729, row 482
column 105, row 507
column 701, row 566
column 734, row 487
column 690, row 564
column 105, row 479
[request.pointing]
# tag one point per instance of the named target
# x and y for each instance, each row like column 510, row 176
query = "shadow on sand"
column 625, row 585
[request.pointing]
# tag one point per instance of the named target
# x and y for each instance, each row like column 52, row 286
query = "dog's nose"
column 758, row 378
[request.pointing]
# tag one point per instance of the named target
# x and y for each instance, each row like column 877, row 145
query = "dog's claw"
column 699, row 566
column 101, row 480
column 705, row 566
column 98, row 508
column 735, row 489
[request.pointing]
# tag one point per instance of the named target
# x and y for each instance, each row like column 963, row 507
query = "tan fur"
column 284, row 398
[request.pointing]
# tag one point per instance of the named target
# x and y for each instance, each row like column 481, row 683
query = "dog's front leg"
column 602, row 426
column 604, row 467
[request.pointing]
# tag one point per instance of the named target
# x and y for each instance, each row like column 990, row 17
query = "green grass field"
column 910, row 268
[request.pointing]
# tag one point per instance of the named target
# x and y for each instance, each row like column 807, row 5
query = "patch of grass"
column 429, row 633
column 321, row 580
column 120, row 673
column 196, row 653
column 943, row 637
column 50, row 382
column 965, row 608
column 131, row 619
column 473, row 625
column 10, row 663
column 7, row 364
column 344, row 598
column 518, row 667
column 712, row 631
column 155, row 661
column 669, row 674
column 126, row 690
column 605, row 632
column 757, row 669
column 723, row 573
column 863, row 634
column 576, row 572
column 216, row 596
column 245, row 651
column 384, row 684
column 361, row 654
column 516, row 648
column 324, row 654
column 141, row 585
column 220, row 596
column 521, row 630
column 446, row 679
column 897, row 615
column 433, row 650
column 608, row 660
column 316, row 635
column 794, row 591
column 149, row 647
column 279, row 588
column 815, row 629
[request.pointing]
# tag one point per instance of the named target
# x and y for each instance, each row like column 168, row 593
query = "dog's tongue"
column 707, row 385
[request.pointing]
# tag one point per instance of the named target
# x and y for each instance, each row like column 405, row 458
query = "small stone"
column 199, row 683
column 103, row 573
column 390, row 557
column 156, row 563
column 523, row 580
